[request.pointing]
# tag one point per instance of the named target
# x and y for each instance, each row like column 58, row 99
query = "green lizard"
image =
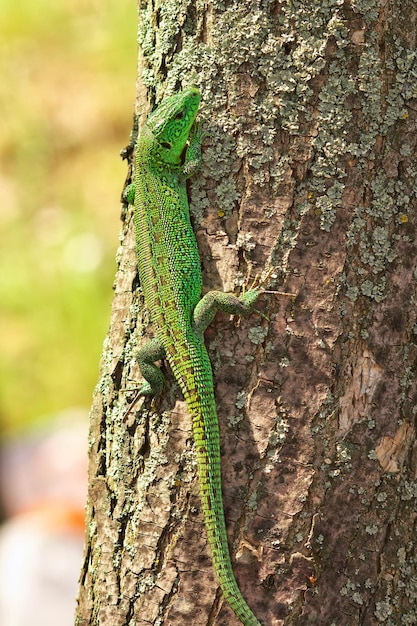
column 171, row 280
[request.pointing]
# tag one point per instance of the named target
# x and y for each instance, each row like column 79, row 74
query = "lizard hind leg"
column 146, row 357
column 215, row 301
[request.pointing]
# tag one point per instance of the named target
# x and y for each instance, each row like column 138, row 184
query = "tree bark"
column 309, row 168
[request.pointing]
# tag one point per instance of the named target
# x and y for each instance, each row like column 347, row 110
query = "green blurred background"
column 67, row 88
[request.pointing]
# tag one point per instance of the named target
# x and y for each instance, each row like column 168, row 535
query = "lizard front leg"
column 192, row 162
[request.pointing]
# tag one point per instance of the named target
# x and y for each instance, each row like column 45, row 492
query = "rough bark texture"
column 310, row 166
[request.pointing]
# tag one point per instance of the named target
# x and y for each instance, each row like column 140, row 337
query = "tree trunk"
column 309, row 167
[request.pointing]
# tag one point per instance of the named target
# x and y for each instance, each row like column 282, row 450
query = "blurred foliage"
column 66, row 95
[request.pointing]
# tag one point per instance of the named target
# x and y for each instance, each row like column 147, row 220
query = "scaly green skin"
column 170, row 276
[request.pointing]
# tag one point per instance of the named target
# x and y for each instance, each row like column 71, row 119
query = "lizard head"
column 171, row 122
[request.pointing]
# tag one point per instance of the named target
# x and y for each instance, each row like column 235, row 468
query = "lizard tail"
column 202, row 407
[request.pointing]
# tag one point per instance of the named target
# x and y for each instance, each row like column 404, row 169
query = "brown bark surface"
column 309, row 168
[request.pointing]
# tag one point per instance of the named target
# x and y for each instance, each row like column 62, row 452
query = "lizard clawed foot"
column 143, row 391
column 260, row 281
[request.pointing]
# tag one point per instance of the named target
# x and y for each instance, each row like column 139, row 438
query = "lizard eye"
column 165, row 144
column 179, row 115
